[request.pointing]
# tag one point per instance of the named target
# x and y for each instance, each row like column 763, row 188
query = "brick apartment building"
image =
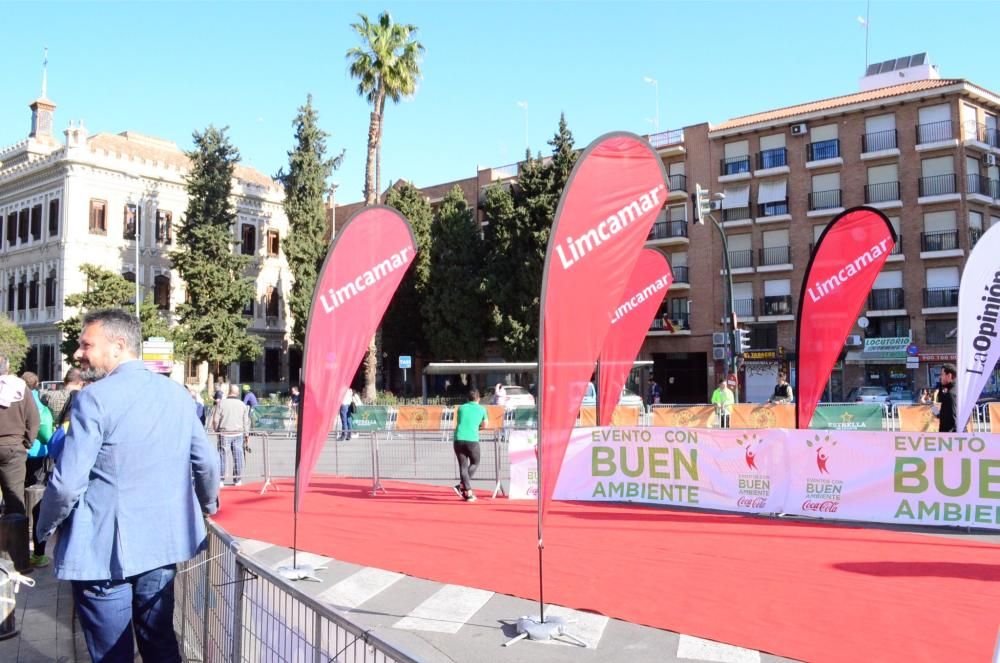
column 922, row 149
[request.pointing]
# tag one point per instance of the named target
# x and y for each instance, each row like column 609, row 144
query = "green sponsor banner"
column 370, row 417
column 848, row 417
column 272, row 417
column 525, row 417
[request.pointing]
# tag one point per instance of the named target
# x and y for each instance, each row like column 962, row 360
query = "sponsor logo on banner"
column 754, row 487
column 823, row 494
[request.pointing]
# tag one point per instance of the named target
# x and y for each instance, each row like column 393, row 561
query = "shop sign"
column 761, row 355
column 893, row 347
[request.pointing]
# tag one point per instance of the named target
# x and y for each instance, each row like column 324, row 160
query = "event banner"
column 905, row 478
column 847, row 259
column 614, row 194
column 272, row 417
column 978, row 325
column 866, row 416
column 762, row 415
column 370, row 418
column 647, row 286
column 685, row 416
column 623, row 415
column 916, row 419
column 419, row 417
column 361, row 272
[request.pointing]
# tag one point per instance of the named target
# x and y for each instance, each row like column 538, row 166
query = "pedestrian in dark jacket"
column 944, row 400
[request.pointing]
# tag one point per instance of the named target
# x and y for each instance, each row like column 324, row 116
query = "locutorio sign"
column 910, row 478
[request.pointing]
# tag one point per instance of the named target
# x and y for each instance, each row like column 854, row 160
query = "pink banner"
column 359, row 277
column 616, row 190
column 630, row 322
column 847, row 258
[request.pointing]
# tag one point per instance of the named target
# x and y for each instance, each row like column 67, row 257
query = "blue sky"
column 167, row 69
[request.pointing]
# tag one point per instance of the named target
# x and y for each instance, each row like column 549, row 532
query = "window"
column 272, row 365
column 736, row 204
column 164, row 233
column 22, row 294
column 248, row 240
column 246, row 371
column 161, row 292
column 11, row 295
column 772, row 152
column 248, row 309
column 53, row 217
column 776, row 248
column 772, row 198
column 764, row 336
column 823, row 143
column 740, row 251
column 883, row 184
column 743, row 300
column 677, row 213
column 942, row 287
column 22, row 225
column 890, row 327
column 98, row 217
column 975, row 226
column 50, row 288
column 679, row 311
column 941, row 332
column 777, row 298
column 825, row 191
column 737, row 158
column 880, row 133
column 272, row 302
column 11, row 229
column 192, row 369
column 940, row 231
column 130, row 277
column 934, row 124
column 970, row 122
column 33, row 292
column 273, row 242
column 131, row 222
column 36, row 222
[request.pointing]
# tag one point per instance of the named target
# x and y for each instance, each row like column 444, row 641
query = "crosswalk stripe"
column 358, row 588
column 586, row 626
column 446, row 611
column 691, row 647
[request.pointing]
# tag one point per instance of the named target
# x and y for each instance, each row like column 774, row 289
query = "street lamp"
column 524, row 105
column 656, row 89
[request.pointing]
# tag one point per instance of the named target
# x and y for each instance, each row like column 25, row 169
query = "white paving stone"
column 446, row 611
column 587, row 626
column 690, row 647
column 251, row 547
column 358, row 588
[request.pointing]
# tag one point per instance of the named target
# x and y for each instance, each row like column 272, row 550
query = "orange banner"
column 696, row 416
column 494, row 416
column 418, row 417
column 917, row 419
column 763, row 415
column 995, row 417
column 624, row 415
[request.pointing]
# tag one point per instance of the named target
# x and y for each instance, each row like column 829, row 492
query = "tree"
column 387, row 65
column 211, row 323
column 403, row 330
column 13, row 343
column 305, row 183
column 108, row 289
column 454, row 311
column 520, row 222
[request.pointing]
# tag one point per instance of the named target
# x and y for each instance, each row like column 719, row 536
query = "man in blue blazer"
column 127, row 494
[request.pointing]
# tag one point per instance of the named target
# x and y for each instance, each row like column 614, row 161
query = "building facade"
column 113, row 200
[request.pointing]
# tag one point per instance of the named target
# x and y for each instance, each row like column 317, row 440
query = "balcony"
column 668, row 142
column 775, row 255
column 883, row 192
column 680, row 274
column 823, row 150
column 940, row 297
column 935, row 134
column 734, row 166
column 978, row 188
column 736, row 214
column 975, row 234
column 777, row 208
column 896, row 255
column 940, row 244
column 672, row 322
column 880, row 141
column 774, row 158
column 776, row 305
column 664, row 231
column 824, row 200
column 678, row 183
column 977, row 133
column 938, row 185
column 743, row 308
column 885, row 299
column 741, row 259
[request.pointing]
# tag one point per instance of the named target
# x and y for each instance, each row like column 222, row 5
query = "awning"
column 736, row 197
column 772, row 192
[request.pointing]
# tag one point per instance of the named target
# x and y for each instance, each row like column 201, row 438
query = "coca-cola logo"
column 827, row 506
column 751, row 502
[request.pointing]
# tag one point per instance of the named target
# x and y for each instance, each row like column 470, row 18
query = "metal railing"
column 939, row 240
column 776, row 208
column 975, row 234
column 736, row 213
column 679, row 320
column 897, row 250
column 776, row 255
column 934, row 132
column 975, row 183
column 773, row 158
column 882, row 192
column 824, row 149
column 877, row 141
column 940, row 297
column 973, row 130
column 680, row 274
column 678, row 182
column 743, row 307
column 667, row 230
column 824, row 199
column 667, row 138
column 885, row 299
column 776, row 305
column 938, row 185
column 734, row 165
column 741, row 258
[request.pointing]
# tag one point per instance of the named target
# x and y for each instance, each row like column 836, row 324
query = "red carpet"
column 807, row 591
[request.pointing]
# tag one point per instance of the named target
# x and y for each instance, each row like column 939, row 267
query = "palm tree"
column 387, row 65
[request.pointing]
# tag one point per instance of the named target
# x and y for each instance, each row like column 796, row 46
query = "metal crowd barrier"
column 227, row 607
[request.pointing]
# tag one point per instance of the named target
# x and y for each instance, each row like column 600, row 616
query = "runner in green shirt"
column 470, row 417
column 723, row 399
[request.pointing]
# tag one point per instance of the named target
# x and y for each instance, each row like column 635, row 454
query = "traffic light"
column 702, row 205
column 741, row 336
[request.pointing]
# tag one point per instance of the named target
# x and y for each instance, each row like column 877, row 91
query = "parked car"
column 868, row 395
column 902, row 397
column 627, row 397
column 518, row 396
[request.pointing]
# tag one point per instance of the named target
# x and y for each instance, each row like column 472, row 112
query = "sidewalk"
column 45, row 619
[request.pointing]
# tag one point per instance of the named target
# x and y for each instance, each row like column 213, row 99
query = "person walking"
column 199, row 406
column 127, row 495
column 655, row 393
column 37, row 470
column 470, row 418
column 231, row 424
column 723, row 399
column 249, row 398
column 346, row 415
column 19, row 423
column 945, row 400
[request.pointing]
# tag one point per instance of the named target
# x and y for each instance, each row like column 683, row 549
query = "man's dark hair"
column 950, row 370
column 72, row 376
column 117, row 324
column 473, row 394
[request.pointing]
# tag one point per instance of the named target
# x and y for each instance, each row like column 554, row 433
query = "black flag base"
column 534, row 628
column 300, row 572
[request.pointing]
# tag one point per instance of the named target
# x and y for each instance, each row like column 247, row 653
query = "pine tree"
column 212, row 327
column 305, row 183
column 454, row 310
column 108, row 289
column 403, row 330
column 13, row 343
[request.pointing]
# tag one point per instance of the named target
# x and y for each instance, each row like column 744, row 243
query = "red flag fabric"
column 359, row 277
column 611, row 200
column 648, row 285
column 847, row 258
